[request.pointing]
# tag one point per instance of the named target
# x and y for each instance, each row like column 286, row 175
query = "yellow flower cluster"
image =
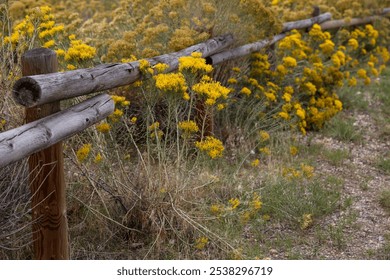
column 264, row 135
column 216, row 209
column 265, row 150
column 155, row 131
column 194, row 64
column 256, row 202
column 305, row 170
column 211, row 90
column 294, row 44
column 188, row 128
column 154, row 126
column 259, row 66
column 327, row 47
column 289, row 62
column 201, row 242
column 353, row 43
column 83, row 152
column 255, row 162
column 2, row 124
column 317, row 34
column 39, row 23
column 120, row 100
column 234, row 203
column 103, row 127
column 98, row 158
column 293, row 150
column 212, row 146
column 172, row 83
column 245, row 91
column 160, row 67
column 79, row 51
column 116, row 115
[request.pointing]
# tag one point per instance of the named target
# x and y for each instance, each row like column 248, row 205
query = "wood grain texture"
column 40, row 89
column 46, row 172
column 306, row 23
column 22, row 141
column 334, row 24
column 244, row 50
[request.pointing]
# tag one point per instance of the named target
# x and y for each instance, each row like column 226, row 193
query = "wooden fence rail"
column 40, row 91
column 20, row 142
column 35, row 90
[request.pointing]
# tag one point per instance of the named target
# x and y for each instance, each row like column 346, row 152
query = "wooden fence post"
column 46, row 177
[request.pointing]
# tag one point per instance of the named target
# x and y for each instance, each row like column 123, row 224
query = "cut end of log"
column 26, row 92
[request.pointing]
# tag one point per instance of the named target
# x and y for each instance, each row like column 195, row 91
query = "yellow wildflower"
column 234, row 202
column 246, row 91
column 353, row 43
column 116, row 115
column 2, row 124
column 103, row 127
column 171, row 83
column 256, row 202
column 327, row 47
column 289, row 62
column 212, row 146
column 83, row 152
column 264, row 135
column 216, row 209
column 154, row 126
column 118, row 99
column 307, row 170
column 70, row 67
column 157, row 134
column 211, row 90
column 281, row 69
column 60, row 52
column 293, row 150
column 188, row 128
column 144, row 65
column 232, row 81
column 79, row 51
column 201, row 242
column 98, row 158
column 194, row 63
column 301, row 113
column 161, row 67
column 362, row 73
column 49, row 44
column 311, row 88
column 255, row 163
column 284, row 115
column 265, row 150
column 352, row 82
column 316, row 33
column 286, row 97
column 338, row 105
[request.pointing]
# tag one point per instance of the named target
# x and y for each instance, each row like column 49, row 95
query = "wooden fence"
column 41, row 90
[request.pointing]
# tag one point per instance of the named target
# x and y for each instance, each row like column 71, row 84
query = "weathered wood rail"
column 40, row 91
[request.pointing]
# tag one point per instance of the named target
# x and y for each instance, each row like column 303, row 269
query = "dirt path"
column 358, row 231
